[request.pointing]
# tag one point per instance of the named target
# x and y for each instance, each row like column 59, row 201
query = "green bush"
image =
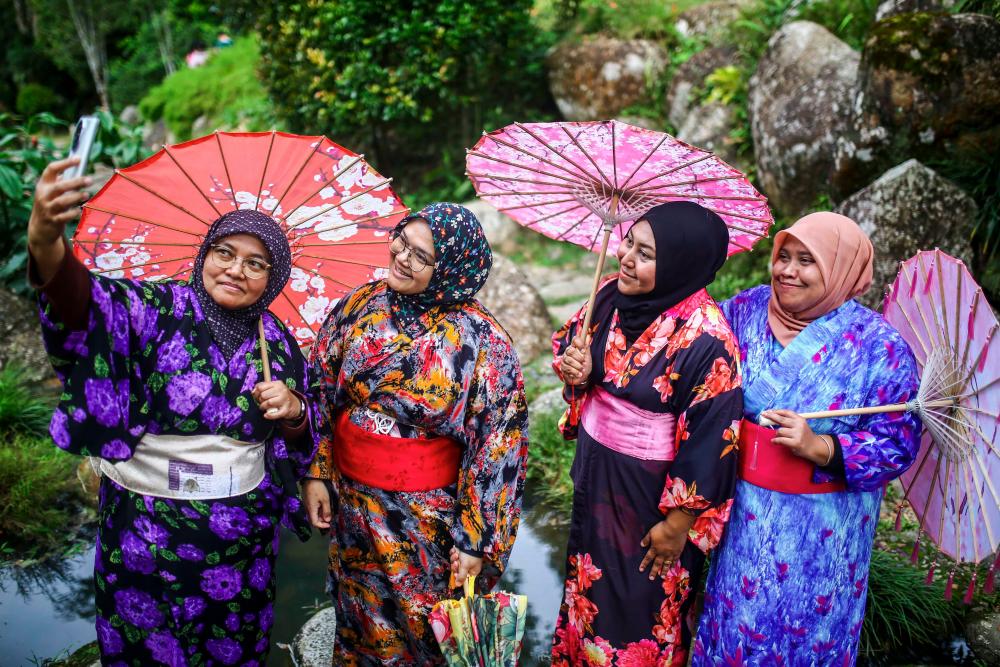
column 33, row 98
column 225, row 90
column 403, row 81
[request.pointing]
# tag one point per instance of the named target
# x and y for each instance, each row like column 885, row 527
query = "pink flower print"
column 824, row 604
column 736, row 659
column 753, row 637
column 782, row 571
column 597, row 653
column 825, row 533
column 818, row 357
column 642, row 653
column 749, row 587
column 581, row 611
column 585, row 571
column 665, row 383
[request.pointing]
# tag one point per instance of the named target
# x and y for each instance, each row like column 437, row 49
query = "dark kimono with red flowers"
column 685, row 363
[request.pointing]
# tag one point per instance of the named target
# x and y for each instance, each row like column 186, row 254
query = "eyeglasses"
column 416, row 258
column 253, row 267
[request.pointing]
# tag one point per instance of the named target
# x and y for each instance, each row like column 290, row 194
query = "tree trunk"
column 92, row 39
column 164, row 40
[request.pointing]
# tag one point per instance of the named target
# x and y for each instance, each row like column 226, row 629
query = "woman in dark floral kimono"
column 424, row 440
column 658, row 390
column 199, row 457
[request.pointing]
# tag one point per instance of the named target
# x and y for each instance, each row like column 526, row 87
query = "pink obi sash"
column 627, row 429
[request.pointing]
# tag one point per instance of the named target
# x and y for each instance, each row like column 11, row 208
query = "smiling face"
column 795, row 277
column 637, row 256
column 230, row 287
column 412, row 258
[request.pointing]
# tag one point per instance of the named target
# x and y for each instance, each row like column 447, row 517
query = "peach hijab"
column 844, row 256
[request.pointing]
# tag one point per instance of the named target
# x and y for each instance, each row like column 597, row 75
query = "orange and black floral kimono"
column 656, row 429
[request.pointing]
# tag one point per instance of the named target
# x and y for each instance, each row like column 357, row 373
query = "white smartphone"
column 83, row 140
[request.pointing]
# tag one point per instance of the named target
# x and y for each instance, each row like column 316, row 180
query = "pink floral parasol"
column 585, row 182
column 953, row 485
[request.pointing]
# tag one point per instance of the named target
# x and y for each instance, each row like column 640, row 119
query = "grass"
column 535, row 248
column 41, row 500
column 550, row 461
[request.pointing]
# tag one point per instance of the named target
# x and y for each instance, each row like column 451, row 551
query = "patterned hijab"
column 691, row 246
column 230, row 328
column 844, row 256
column 463, row 263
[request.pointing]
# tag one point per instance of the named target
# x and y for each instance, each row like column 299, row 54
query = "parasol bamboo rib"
column 644, row 160
column 493, row 158
column 313, row 151
column 225, row 167
column 314, row 231
column 672, row 170
column 129, row 216
column 333, row 177
column 548, row 203
column 515, row 179
column 560, row 154
column 600, row 269
column 590, row 157
column 541, row 158
column 161, row 197
column 265, row 361
column 263, row 172
column 166, row 149
column 576, row 224
column 337, row 205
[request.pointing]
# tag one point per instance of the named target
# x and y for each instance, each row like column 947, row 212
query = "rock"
column 518, row 307
column 709, row 20
column 567, row 287
column 708, row 126
column 313, row 645
column 596, row 78
column 799, row 103
column 547, row 403
column 929, row 89
column 640, row 121
column 154, row 135
column 130, row 115
column 894, row 7
column 982, row 632
column 21, row 338
column 500, row 228
column 201, row 126
column 910, row 208
column 690, row 76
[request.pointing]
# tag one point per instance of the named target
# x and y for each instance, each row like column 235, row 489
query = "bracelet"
column 828, row 441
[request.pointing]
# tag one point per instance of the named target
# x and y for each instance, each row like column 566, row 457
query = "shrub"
column 33, row 98
column 225, row 90
column 403, row 80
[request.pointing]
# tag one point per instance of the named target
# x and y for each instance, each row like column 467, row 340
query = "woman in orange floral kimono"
column 655, row 403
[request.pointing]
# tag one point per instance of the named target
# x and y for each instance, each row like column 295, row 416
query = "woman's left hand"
column 462, row 565
column 795, row 434
column 277, row 401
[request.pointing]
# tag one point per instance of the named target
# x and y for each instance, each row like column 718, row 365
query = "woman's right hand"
column 576, row 363
column 317, row 499
column 56, row 203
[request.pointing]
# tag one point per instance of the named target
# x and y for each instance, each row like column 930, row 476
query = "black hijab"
column 691, row 246
column 230, row 328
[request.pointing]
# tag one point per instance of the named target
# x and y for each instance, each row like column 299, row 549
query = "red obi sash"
column 774, row 467
column 394, row 464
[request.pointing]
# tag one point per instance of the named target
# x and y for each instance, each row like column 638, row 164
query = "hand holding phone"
column 83, row 140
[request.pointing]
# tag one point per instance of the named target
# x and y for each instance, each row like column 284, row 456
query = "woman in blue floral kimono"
column 787, row 585
column 424, row 440
column 199, row 457
column 655, row 460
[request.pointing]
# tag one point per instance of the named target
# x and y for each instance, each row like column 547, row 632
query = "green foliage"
column 34, row 98
column 902, row 612
column 850, row 20
column 988, row 7
column 725, row 85
column 21, row 410
column 628, row 19
column 117, row 143
column 403, row 81
column 550, row 461
column 225, row 90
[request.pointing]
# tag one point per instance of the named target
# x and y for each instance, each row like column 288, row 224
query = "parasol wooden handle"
column 600, row 269
column 263, row 350
column 877, row 409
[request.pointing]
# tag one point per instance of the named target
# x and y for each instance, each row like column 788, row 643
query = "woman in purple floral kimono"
column 199, row 457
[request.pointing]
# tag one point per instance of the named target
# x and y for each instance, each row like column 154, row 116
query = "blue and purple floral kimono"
column 787, row 585
column 178, row 582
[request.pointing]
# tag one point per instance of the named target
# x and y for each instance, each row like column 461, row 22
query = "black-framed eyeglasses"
column 224, row 258
column 416, row 258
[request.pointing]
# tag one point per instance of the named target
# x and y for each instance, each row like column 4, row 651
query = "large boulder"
column 690, row 77
column 597, row 77
column 709, row 126
column 518, row 307
column 313, row 644
column 500, row 229
column 928, row 88
column 21, row 338
column 799, row 103
column 910, row 208
column 982, row 632
column 894, row 7
column 709, row 21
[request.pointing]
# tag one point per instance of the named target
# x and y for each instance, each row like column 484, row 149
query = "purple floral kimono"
column 177, row 582
column 787, row 585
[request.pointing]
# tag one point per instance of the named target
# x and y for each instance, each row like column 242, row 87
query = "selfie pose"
column 788, row 583
column 424, row 440
column 659, row 383
column 162, row 384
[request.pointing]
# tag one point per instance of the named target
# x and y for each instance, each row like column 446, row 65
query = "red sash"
column 774, row 467
column 394, row 464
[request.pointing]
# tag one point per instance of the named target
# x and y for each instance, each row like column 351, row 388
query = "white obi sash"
column 190, row 467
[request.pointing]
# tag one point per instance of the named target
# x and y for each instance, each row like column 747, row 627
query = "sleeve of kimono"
column 491, row 477
column 708, row 400
column 98, row 414
column 886, row 444
column 324, row 371
column 67, row 291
